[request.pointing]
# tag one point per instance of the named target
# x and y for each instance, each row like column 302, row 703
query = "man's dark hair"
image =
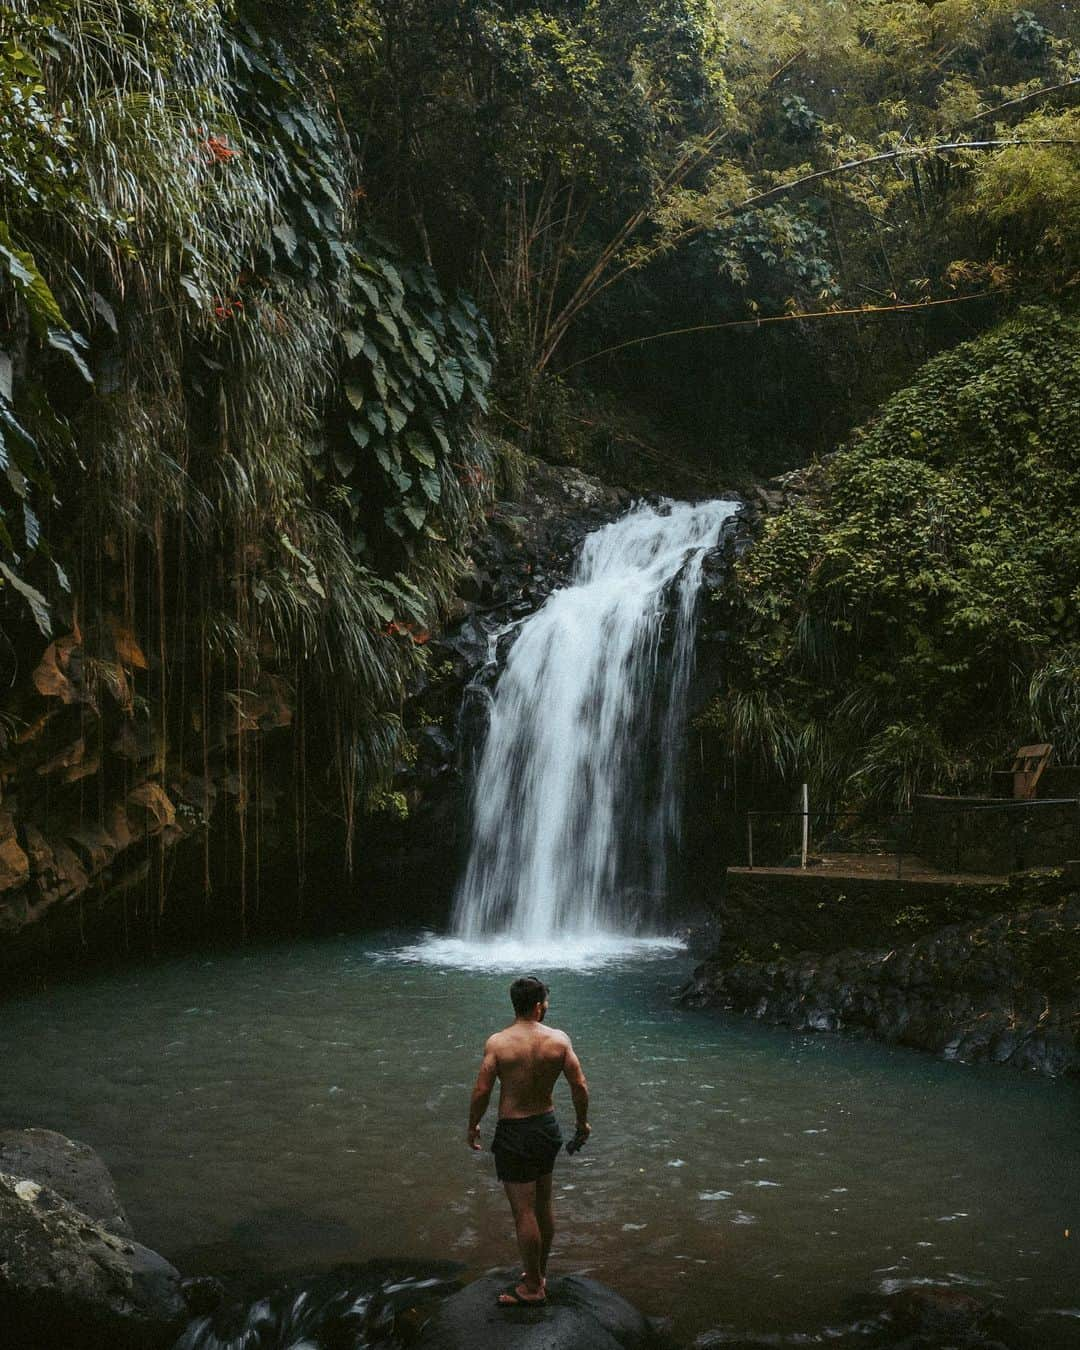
column 526, row 993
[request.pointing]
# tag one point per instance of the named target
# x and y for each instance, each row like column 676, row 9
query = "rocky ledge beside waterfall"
column 1001, row 989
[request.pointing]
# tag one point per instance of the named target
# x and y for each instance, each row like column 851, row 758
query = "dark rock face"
column 73, row 1170
column 1002, row 990
column 580, row 1314
column 66, row 1281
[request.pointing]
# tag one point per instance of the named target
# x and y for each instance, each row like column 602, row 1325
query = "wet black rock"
column 71, row 1169
column 434, row 746
column 374, row 1306
column 66, row 1281
column 202, row 1294
column 580, row 1314
column 1001, row 990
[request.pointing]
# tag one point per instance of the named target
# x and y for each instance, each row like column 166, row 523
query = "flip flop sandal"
column 510, row 1298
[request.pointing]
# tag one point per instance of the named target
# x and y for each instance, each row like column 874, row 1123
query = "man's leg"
column 522, row 1197
column 545, row 1221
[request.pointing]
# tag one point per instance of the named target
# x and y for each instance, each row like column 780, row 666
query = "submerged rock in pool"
column 67, row 1282
column 580, row 1314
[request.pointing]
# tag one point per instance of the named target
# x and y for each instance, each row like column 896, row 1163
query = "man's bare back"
column 528, row 1059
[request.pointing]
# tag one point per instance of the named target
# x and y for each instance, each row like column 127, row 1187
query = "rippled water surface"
column 295, row 1106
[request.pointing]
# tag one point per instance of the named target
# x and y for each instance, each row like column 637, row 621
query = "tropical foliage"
column 604, row 173
column 918, row 615
column 237, row 427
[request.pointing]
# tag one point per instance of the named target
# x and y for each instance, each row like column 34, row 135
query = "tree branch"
column 782, row 318
column 1016, row 102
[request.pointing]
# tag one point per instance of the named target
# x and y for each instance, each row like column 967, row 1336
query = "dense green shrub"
column 918, row 615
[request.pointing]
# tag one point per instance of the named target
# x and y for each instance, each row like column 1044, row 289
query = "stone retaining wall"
column 981, row 834
column 765, row 913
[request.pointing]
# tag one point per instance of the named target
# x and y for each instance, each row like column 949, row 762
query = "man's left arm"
column 481, row 1095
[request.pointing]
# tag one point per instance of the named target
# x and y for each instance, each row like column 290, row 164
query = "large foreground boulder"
column 71, row 1169
column 580, row 1314
column 66, row 1282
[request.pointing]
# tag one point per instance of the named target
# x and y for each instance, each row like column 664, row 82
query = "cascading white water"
column 577, row 796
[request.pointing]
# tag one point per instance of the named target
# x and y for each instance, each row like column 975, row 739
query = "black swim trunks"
column 525, row 1148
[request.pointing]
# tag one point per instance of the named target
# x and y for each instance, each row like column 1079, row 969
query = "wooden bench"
column 1028, row 765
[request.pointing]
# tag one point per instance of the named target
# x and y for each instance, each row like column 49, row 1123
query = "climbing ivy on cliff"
column 918, row 615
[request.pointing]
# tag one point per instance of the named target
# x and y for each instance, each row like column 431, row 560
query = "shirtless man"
column 527, row 1058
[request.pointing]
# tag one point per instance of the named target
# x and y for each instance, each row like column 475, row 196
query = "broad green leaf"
column 420, row 449
column 391, row 273
column 314, row 215
column 360, row 434
column 68, row 341
column 415, row 513
column 424, row 342
column 17, row 479
column 389, row 324
column 20, row 273
column 329, row 189
column 192, row 288
column 354, row 342
column 286, row 237
column 453, row 378
column 431, row 485
column 31, row 526
column 41, row 304
column 39, row 606
column 369, row 288
column 354, row 392
column 382, row 607
column 102, row 307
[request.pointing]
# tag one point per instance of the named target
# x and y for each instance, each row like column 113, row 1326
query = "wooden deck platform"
column 872, row 867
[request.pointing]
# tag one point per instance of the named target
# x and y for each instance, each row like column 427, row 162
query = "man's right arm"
column 481, row 1094
column 579, row 1090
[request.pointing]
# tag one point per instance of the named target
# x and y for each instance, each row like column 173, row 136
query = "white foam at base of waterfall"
column 580, row 952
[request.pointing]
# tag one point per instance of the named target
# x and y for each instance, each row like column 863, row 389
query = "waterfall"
column 576, row 803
